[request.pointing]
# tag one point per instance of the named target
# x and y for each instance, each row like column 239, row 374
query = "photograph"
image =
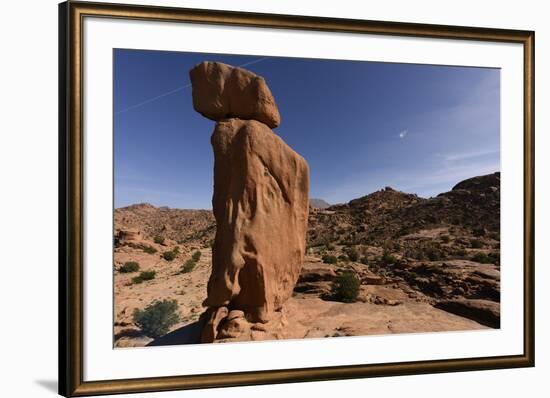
column 261, row 198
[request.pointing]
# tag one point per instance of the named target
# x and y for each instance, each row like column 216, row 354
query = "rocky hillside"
column 195, row 227
column 473, row 206
column 318, row 203
column 438, row 258
column 471, row 210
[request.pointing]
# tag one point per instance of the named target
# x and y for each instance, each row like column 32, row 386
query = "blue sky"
column 360, row 125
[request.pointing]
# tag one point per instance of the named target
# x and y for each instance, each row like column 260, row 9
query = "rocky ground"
column 424, row 265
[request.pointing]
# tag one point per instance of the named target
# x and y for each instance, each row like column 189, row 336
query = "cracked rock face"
column 261, row 208
column 260, row 201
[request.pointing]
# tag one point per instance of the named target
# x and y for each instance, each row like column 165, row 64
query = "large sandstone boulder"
column 222, row 91
column 485, row 312
column 261, row 208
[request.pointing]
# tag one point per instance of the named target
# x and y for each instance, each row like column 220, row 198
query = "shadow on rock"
column 188, row 334
column 131, row 333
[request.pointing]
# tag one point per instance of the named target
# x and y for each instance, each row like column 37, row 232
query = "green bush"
column 147, row 275
column 169, row 256
column 159, row 239
column 157, row 318
column 495, row 257
column 144, row 276
column 353, row 254
column 346, row 287
column 445, row 238
column 343, row 257
column 129, row 266
column 433, row 253
column 476, row 244
column 482, row 258
column 328, row 259
column 188, row 266
column 388, row 258
column 149, row 250
column 459, row 252
column 364, row 260
column 196, row 256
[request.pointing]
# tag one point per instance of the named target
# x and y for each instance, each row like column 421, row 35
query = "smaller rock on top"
column 222, row 91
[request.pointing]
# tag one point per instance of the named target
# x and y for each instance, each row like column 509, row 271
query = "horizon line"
column 313, row 198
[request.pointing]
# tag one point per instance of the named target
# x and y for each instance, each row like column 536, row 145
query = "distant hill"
column 318, row 203
column 386, row 215
column 473, row 205
column 195, row 227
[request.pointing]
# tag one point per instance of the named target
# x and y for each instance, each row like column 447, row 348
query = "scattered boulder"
column 485, row 312
column 213, row 317
column 129, row 235
column 233, row 328
column 373, row 280
column 317, row 274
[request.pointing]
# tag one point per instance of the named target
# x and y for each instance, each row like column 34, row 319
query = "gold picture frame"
column 71, row 16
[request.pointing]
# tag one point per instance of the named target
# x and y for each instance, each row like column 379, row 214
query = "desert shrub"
column 329, row 246
column 433, row 253
column 494, row 235
column 412, row 276
column 480, row 231
column 149, row 250
column 188, row 266
column 495, row 257
column 482, row 258
column 144, row 276
column 388, row 258
column 147, row 275
column 176, row 249
column 404, row 230
column 129, row 266
column 414, row 252
column 459, row 252
column 157, row 318
column 346, row 287
column 476, row 244
column 364, row 260
column 445, row 238
column 159, row 239
column 196, row 256
column 343, row 257
column 169, row 256
column 352, row 254
column 328, row 259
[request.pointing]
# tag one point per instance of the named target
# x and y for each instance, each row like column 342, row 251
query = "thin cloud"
column 403, row 133
column 177, row 89
column 469, row 155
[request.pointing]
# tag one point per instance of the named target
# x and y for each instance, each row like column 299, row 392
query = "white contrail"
column 147, row 101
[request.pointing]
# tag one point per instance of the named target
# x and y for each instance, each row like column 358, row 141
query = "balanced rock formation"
column 221, row 91
column 260, row 202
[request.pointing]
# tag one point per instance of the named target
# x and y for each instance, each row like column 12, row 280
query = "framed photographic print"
column 251, row 198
